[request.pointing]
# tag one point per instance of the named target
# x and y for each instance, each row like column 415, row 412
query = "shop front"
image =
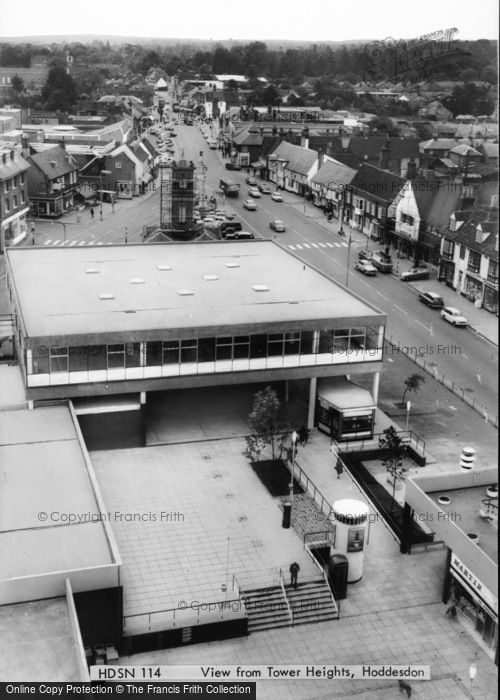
column 473, row 289
column 344, row 410
column 476, row 605
column 490, row 299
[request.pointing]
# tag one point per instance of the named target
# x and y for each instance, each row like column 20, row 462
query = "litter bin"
column 287, row 515
column 338, row 568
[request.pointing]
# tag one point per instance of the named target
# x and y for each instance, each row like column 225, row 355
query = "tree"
column 412, row 383
column 393, row 461
column 264, row 421
column 17, row 84
column 59, row 92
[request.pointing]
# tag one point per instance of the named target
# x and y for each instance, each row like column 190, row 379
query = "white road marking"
column 322, row 245
column 100, row 243
column 81, row 243
column 382, row 295
column 422, row 324
column 337, row 245
column 73, row 243
column 306, row 245
column 292, row 247
column 400, row 309
column 299, row 247
column 48, row 242
column 330, row 245
column 315, row 245
column 466, row 357
column 365, row 283
column 452, row 408
column 346, row 245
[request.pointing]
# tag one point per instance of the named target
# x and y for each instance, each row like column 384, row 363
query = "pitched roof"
column 488, row 219
column 334, row 173
column 381, row 185
column 465, row 150
column 299, row 159
column 54, row 162
column 436, row 201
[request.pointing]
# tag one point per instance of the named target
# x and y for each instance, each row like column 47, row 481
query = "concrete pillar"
column 375, row 387
column 142, row 398
column 380, row 339
column 142, row 354
column 312, row 403
column 29, row 361
column 286, row 390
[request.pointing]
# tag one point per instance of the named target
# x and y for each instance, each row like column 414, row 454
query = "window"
column 182, row 215
column 306, row 342
column 405, row 219
column 14, row 182
column 189, row 350
column 78, row 359
column 241, row 348
column 224, row 348
column 325, row 341
column 170, row 353
column 153, row 353
column 14, row 201
column 7, row 185
column 474, row 262
column 40, row 360
column 462, row 252
column 258, row 345
column 98, row 357
column 493, row 272
column 448, row 249
column 7, row 204
column 21, row 179
column 116, row 356
column 206, row 349
column 274, row 344
column 292, row 343
column 133, row 354
column 23, row 198
column 58, row 358
column 118, row 164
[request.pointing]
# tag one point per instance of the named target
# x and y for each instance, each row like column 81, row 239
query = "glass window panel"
column 223, row 352
column 206, row 349
column 58, row 359
column 40, row 360
column 325, row 341
column 274, row 336
column 116, row 356
column 292, row 347
column 357, row 331
column 97, row 357
column 306, row 342
column 275, row 348
column 242, row 339
column 258, row 345
column 342, row 333
column 78, row 359
column 241, row 350
column 133, row 354
column 154, row 353
column 171, row 352
column 226, row 340
column 189, row 353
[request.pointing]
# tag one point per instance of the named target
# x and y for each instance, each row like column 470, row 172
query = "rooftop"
column 178, row 286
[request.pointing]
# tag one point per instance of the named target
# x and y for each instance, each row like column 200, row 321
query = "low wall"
column 77, row 637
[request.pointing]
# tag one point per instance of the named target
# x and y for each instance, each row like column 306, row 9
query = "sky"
column 321, row 20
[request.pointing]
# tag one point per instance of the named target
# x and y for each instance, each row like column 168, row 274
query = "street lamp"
column 408, row 407
column 472, row 675
column 294, row 442
column 348, row 261
column 126, row 235
column 101, row 173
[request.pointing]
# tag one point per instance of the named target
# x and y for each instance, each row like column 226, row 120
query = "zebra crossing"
column 301, row 246
column 58, row 242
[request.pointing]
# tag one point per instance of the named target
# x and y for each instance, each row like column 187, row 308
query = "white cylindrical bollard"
column 467, row 458
column 350, row 517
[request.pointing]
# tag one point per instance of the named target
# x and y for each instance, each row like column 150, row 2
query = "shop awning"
column 344, row 395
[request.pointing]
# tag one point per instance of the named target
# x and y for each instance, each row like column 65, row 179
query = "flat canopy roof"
column 343, row 394
column 108, row 289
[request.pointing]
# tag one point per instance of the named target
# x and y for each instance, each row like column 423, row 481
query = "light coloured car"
column 254, row 192
column 453, row 316
column 277, row 225
column 415, row 273
column 264, row 188
column 251, row 181
column 250, row 204
column 431, row 299
column 366, row 267
column 277, row 196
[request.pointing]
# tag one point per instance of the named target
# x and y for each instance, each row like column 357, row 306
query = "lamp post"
column 348, row 261
column 126, row 235
column 101, row 173
column 408, row 407
column 472, row 675
column 294, row 442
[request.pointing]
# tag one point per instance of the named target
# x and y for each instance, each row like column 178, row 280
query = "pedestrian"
column 294, row 574
column 91, row 212
column 303, row 435
column 451, row 611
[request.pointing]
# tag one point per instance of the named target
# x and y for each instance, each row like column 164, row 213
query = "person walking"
column 91, row 212
column 294, row 574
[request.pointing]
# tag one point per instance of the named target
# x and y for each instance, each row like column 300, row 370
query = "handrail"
column 305, row 481
column 283, row 590
column 325, row 579
column 309, row 535
column 360, row 445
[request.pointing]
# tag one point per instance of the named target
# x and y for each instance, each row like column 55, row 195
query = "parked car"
column 277, row 196
column 225, row 214
column 254, row 192
column 415, row 273
column 453, row 316
column 250, row 204
column 251, row 181
column 366, row 267
column 237, row 235
column 277, row 225
column 365, row 255
column 382, row 262
column 232, row 166
column 431, row 299
column 264, row 188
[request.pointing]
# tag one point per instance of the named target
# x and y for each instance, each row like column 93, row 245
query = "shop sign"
column 474, row 583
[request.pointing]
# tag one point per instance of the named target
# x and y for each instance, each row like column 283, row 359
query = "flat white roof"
column 96, row 289
column 344, row 394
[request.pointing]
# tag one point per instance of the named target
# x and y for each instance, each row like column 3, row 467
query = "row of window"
column 474, row 261
column 121, row 355
column 14, row 201
column 13, row 182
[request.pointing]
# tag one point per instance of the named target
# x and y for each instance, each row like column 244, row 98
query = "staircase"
column 267, row 608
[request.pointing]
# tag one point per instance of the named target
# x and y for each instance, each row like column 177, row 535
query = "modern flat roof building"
column 97, row 321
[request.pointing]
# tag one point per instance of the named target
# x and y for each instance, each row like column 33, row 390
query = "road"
column 464, row 357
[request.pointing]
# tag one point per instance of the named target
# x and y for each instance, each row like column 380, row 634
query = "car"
column 420, row 272
column 232, row 166
column 365, row 255
column 431, row 299
column 173, row 133
column 381, row 262
column 277, row 196
column 264, row 188
column 237, row 235
column 254, row 192
column 453, row 316
column 250, row 204
column 366, row 267
column 277, row 225
column 250, row 180
column 225, row 214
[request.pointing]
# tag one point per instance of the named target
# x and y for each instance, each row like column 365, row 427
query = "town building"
column 136, row 319
column 292, row 167
column 13, row 195
column 329, row 184
column 52, row 181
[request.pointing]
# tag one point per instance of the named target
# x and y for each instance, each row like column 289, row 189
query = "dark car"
column 264, row 188
column 238, row 235
column 232, row 166
column 431, row 299
column 365, row 255
column 415, row 273
column 277, row 225
column 251, row 181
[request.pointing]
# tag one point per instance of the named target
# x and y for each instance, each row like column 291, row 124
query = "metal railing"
column 317, row 538
column 310, row 488
column 408, row 437
column 336, row 604
column 457, row 389
column 283, row 590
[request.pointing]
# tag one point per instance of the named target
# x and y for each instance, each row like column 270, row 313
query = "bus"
column 229, row 187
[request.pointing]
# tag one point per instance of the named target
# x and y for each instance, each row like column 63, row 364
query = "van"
column 227, row 226
column 382, row 262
